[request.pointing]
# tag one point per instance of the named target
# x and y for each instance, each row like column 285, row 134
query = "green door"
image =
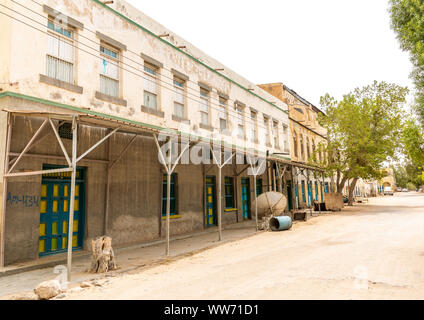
column 289, row 195
column 245, row 197
column 54, row 213
column 211, row 219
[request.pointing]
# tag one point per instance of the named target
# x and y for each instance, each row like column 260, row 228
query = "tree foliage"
column 407, row 17
column 408, row 173
column 363, row 132
column 413, row 142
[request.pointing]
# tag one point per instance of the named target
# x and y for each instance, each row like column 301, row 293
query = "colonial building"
column 87, row 90
column 306, row 135
column 388, row 180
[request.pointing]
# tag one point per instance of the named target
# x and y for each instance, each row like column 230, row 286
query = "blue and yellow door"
column 54, row 212
column 210, row 202
column 245, row 198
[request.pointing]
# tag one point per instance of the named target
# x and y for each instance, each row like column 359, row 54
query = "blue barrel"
column 280, row 223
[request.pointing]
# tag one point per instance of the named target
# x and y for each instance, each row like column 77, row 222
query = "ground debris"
column 103, row 259
column 48, row 289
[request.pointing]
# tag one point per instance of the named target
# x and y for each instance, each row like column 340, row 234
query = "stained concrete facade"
column 135, row 202
column 306, row 135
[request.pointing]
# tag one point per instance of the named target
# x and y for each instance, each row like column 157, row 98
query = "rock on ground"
column 48, row 289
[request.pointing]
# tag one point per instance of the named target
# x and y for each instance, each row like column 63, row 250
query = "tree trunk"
column 341, row 185
column 351, row 190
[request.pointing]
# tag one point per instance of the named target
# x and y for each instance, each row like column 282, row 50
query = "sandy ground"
column 371, row 251
column 129, row 259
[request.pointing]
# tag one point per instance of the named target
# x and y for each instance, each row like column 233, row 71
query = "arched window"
column 295, row 143
column 308, row 153
column 302, row 150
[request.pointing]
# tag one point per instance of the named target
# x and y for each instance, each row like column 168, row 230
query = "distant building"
column 388, row 180
column 306, row 135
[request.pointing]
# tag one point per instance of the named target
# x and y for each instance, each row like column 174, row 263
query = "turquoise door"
column 310, row 198
column 211, row 219
column 322, row 194
column 296, row 195
column 54, row 213
column 245, row 197
column 303, row 192
column 316, row 191
column 289, row 195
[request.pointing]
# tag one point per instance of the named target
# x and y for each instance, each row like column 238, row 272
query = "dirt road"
column 371, row 251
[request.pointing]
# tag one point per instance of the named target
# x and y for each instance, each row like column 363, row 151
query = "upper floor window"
column 275, row 134
column 179, row 100
column 266, row 126
column 150, row 87
column 308, row 149
column 109, row 74
column 240, row 123
column 295, row 144
column 223, row 116
column 254, row 132
column 285, row 136
column 60, row 53
column 302, row 148
column 204, row 107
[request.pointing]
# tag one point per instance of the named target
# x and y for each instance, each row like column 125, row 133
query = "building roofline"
column 303, row 100
column 186, row 54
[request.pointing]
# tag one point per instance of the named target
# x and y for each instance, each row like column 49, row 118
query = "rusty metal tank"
column 271, row 203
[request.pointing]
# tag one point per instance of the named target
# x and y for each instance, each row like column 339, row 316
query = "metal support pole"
column 28, row 145
column 255, row 174
column 307, row 188
column 72, row 200
column 168, row 197
column 256, row 203
column 107, row 196
column 220, row 202
column 6, row 169
column 220, row 166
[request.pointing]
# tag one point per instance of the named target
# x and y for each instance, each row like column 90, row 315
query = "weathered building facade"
column 306, row 135
column 86, row 92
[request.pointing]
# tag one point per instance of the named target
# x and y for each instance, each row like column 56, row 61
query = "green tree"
column 363, row 132
column 413, row 142
column 408, row 173
column 407, row 17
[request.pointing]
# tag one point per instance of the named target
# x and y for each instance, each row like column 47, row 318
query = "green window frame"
column 259, row 187
column 174, row 194
column 229, row 193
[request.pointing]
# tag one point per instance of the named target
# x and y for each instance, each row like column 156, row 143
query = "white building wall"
column 28, row 62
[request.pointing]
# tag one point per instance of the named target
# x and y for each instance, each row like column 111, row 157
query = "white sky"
column 313, row 47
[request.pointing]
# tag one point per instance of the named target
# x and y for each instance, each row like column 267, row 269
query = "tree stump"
column 103, row 259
